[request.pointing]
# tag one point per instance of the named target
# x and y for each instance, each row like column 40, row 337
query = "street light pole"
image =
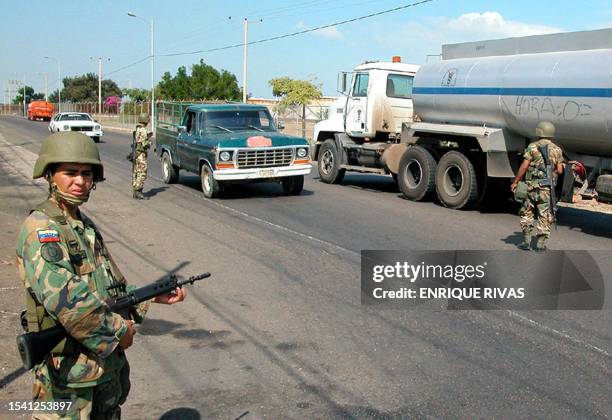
column 25, row 112
column 59, row 89
column 152, row 29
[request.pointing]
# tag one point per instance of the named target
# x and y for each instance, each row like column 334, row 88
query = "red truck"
column 40, row 109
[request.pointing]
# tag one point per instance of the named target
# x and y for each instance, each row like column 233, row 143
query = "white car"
column 76, row 121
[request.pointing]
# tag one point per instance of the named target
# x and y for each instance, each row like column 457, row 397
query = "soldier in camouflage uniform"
column 142, row 142
column 68, row 273
column 537, row 203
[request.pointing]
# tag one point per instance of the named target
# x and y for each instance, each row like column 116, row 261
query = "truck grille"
column 264, row 157
column 73, row 128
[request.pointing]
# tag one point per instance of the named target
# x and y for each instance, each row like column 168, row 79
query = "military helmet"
column 545, row 130
column 68, row 147
column 143, row 118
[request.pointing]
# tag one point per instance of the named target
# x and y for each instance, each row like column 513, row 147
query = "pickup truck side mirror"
column 280, row 124
column 182, row 129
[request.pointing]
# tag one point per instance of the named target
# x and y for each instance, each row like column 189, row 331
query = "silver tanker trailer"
column 478, row 106
column 458, row 127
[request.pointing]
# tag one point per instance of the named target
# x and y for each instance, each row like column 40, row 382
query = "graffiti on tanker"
column 551, row 108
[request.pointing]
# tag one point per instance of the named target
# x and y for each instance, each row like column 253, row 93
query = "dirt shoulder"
column 17, row 194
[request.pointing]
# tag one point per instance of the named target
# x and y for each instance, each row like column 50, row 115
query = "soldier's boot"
column 138, row 195
column 541, row 244
column 526, row 244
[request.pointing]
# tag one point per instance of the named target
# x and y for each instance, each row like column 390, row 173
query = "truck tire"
column 603, row 186
column 210, row 186
column 456, row 182
column 417, row 173
column 170, row 173
column 293, row 185
column 329, row 163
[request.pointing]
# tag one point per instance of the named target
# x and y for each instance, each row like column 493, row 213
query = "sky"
column 78, row 33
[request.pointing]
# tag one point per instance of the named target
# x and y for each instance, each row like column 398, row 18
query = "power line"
column 261, row 41
column 128, row 66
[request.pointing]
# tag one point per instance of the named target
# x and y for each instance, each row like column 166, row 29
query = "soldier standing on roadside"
column 537, row 195
column 142, row 142
column 68, row 273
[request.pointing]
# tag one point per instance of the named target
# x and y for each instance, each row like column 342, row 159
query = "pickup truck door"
column 185, row 141
column 356, row 106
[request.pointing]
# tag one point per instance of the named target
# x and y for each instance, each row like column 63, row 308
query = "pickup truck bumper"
column 261, row 173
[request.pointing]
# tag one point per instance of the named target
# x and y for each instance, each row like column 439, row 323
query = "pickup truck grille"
column 87, row 128
column 264, row 157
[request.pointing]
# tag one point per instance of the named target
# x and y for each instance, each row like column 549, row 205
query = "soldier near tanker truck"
column 542, row 163
column 456, row 127
column 68, row 274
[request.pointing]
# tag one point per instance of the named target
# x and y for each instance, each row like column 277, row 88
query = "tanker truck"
column 457, row 127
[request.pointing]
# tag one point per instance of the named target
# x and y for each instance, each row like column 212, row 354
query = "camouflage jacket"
column 143, row 142
column 73, row 295
column 537, row 167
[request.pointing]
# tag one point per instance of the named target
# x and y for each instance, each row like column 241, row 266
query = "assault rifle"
column 549, row 182
column 34, row 346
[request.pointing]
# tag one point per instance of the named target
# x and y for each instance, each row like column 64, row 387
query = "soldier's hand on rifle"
column 176, row 296
column 128, row 338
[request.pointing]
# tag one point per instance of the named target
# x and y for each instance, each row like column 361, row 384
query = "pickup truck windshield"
column 216, row 121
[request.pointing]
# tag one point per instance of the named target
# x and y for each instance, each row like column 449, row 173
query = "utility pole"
column 245, row 55
column 244, row 61
column 99, row 83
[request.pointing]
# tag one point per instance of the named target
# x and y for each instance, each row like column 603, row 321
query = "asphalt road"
column 279, row 331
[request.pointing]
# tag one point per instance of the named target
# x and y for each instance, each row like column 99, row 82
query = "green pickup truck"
column 228, row 143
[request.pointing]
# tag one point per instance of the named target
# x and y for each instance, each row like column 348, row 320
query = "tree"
column 85, row 88
column 204, row 83
column 30, row 95
column 295, row 92
column 137, row 95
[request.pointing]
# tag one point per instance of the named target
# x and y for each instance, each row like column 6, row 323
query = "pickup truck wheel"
column 170, row 173
column 329, row 163
column 293, row 185
column 417, row 173
column 210, row 186
column 456, row 182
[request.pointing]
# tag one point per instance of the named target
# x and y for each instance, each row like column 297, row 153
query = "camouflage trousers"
column 97, row 402
column 140, row 171
column 536, row 206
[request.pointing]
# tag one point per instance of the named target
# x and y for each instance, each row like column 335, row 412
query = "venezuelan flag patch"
column 48, row 235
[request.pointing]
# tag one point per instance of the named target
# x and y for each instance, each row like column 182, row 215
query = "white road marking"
column 559, row 333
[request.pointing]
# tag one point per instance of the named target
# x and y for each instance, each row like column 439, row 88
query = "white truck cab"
column 376, row 103
column 366, row 120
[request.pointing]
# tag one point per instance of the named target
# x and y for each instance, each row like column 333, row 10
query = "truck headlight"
column 302, row 152
column 97, row 128
column 65, row 128
column 225, row 156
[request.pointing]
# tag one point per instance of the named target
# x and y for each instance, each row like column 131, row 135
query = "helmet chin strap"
column 67, row 198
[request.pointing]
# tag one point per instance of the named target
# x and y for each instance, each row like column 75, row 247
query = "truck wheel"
column 329, row 163
column 456, row 182
column 293, row 185
column 417, row 173
column 604, row 186
column 210, row 186
column 170, row 173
